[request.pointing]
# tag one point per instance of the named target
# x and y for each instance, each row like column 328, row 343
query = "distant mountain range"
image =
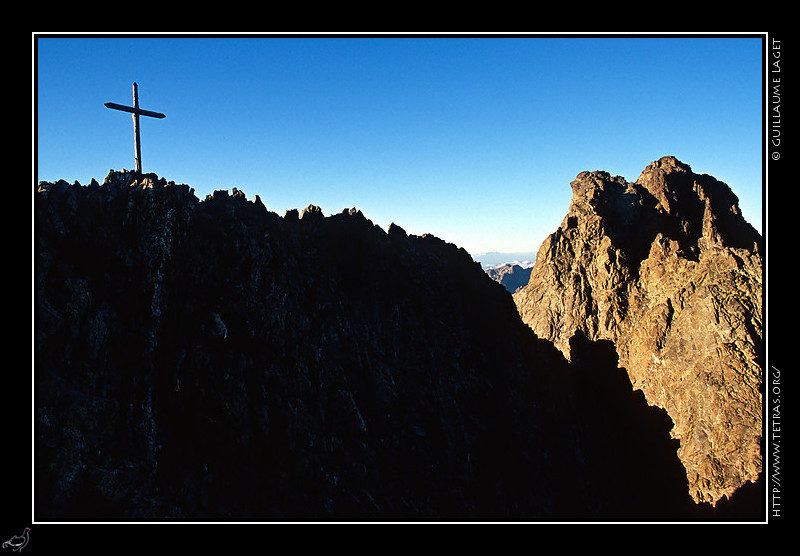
column 494, row 259
column 513, row 277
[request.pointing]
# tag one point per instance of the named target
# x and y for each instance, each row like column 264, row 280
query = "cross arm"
column 139, row 111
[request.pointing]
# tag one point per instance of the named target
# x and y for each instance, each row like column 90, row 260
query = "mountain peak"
column 668, row 270
column 668, row 163
column 696, row 210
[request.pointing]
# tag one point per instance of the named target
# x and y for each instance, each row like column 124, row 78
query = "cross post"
column 136, row 112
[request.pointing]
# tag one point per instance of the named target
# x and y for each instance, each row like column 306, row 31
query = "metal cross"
column 136, row 111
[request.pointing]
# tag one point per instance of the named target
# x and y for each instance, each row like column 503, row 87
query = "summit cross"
column 136, row 111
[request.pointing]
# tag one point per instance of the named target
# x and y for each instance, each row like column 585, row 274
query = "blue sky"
column 473, row 139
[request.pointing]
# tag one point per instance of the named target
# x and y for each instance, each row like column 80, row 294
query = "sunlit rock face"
column 667, row 269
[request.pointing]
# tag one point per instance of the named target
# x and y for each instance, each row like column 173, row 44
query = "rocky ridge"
column 211, row 360
column 667, row 269
column 512, row 276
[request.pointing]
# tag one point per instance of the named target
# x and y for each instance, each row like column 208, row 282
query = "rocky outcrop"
column 667, row 269
column 211, row 360
column 512, row 276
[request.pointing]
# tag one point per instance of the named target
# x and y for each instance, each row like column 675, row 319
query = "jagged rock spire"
column 667, row 268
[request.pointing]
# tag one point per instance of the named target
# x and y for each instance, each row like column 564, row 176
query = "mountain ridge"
column 211, row 360
column 511, row 275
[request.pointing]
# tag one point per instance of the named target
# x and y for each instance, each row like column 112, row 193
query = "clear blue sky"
column 472, row 139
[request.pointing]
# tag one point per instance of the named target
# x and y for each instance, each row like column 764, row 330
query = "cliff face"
column 667, row 269
column 212, row 360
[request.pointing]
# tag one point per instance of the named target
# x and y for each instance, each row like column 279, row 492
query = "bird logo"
column 17, row 543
